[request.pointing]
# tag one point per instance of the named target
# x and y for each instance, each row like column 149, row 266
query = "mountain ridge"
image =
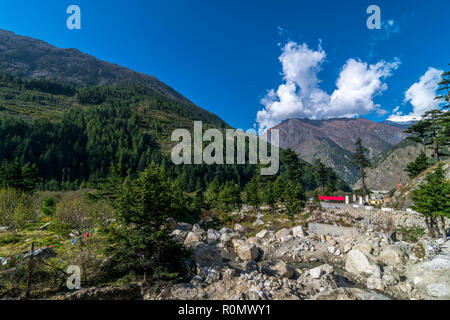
column 332, row 140
column 28, row 57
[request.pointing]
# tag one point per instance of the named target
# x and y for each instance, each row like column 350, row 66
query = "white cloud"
column 300, row 95
column 421, row 96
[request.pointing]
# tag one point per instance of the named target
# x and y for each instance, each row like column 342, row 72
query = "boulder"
column 225, row 230
column 179, row 235
column 207, row 256
column 236, row 244
column 265, row 235
column 227, row 237
column 213, row 236
column 390, row 276
column 191, row 239
column 374, row 282
column 238, row 228
column 347, row 247
column 317, row 272
column 364, row 247
column 253, row 240
column 248, row 252
column 393, row 256
column 358, row 263
column 286, row 238
column 279, row 268
column 282, row 233
column 298, row 232
column 184, row 226
column 432, row 277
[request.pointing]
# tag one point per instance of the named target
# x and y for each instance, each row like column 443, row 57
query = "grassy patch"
column 411, row 234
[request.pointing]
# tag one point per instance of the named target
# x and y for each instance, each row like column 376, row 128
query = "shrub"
column 16, row 209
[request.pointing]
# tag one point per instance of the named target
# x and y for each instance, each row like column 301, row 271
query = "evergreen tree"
column 229, row 196
column 418, row 133
column 332, row 181
column 199, row 200
column 20, row 177
column 444, row 87
column 432, row 199
column 321, row 173
column 139, row 240
column 415, row 167
column 252, row 193
column 360, row 161
column 436, row 136
column 269, row 195
column 295, row 199
column 293, row 165
column 212, row 193
column 278, row 188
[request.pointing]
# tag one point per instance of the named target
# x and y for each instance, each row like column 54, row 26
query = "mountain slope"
column 27, row 57
column 42, row 81
column 388, row 166
column 333, row 140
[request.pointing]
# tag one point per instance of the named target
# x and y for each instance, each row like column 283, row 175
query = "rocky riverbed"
column 323, row 261
column 334, row 255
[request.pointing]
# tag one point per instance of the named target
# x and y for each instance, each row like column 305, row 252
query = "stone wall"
column 406, row 219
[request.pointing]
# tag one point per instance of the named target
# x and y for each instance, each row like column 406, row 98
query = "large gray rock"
column 225, row 230
column 265, row 235
column 283, row 233
column 432, row 277
column 238, row 228
column 179, row 235
column 213, row 236
column 358, row 263
column 191, row 239
column 317, row 272
column 393, row 256
column 184, row 226
column 207, row 256
column 248, row 252
column 298, row 232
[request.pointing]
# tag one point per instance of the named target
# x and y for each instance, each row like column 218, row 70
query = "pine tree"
column 432, row 199
column 321, row 174
column 360, row 161
column 139, row 240
column 269, row 195
column 415, row 167
column 436, row 136
column 252, row 193
column 293, row 166
column 444, row 86
column 332, row 181
column 295, row 199
column 278, row 188
column 199, row 200
column 212, row 193
column 418, row 133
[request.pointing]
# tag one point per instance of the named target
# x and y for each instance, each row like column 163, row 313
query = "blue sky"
column 225, row 55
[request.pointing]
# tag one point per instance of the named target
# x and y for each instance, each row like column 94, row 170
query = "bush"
column 16, row 209
column 139, row 241
column 75, row 213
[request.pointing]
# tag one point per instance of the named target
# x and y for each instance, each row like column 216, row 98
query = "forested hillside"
column 75, row 134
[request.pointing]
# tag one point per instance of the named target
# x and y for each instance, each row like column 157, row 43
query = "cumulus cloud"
column 300, row 95
column 421, row 96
